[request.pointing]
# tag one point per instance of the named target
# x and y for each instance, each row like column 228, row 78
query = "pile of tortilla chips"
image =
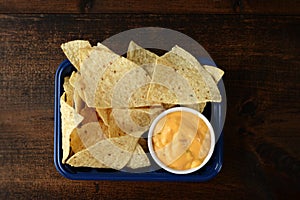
column 110, row 101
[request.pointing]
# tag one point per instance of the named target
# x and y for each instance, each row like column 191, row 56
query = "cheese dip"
column 181, row 140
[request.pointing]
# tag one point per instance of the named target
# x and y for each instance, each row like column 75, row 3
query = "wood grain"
column 290, row 7
column 260, row 57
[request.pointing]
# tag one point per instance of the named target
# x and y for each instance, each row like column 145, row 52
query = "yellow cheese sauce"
column 181, row 140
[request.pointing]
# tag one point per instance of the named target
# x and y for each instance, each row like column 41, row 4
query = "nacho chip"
column 75, row 142
column 86, row 136
column 69, row 90
column 71, row 50
column 139, row 159
column 132, row 121
column 139, row 55
column 85, row 159
column 168, row 86
column 146, row 59
column 104, row 128
column 200, row 85
column 69, row 120
column 114, row 129
column 126, row 121
column 78, row 102
column 73, row 78
column 92, row 69
column 118, row 82
column 78, row 96
column 207, row 80
column 114, row 152
column 144, row 116
column 215, row 72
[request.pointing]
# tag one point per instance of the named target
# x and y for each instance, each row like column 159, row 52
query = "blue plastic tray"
column 210, row 170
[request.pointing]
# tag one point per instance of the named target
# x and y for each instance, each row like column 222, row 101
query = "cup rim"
column 184, row 109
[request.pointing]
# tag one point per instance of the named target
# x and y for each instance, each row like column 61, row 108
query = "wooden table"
column 255, row 42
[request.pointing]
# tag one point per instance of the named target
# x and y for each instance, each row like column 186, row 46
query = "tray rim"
column 120, row 175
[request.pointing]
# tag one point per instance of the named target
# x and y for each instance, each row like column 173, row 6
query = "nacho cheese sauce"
column 181, row 140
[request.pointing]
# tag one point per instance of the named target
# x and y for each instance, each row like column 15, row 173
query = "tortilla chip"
column 118, row 82
column 85, row 159
column 114, row 129
column 127, row 121
column 73, row 78
column 144, row 116
column 75, row 142
column 69, row 120
column 114, row 152
column 132, row 121
column 92, row 69
column 104, row 128
column 78, row 102
column 103, row 47
column 71, row 50
column 140, row 117
column 140, row 56
column 215, row 72
column 206, row 78
column 84, row 53
column 69, row 90
column 139, row 159
column 86, row 136
column 168, row 86
column 195, row 80
column 78, row 96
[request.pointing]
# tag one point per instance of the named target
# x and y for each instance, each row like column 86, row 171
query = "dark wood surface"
column 257, row 45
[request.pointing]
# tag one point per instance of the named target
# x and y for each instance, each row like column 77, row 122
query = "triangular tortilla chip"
column 69, row 120
column 132, row 121
column 69, row 90
column 92, row 69
column 78, row 102
column 215, row 72
column 200, row 85
column 114, row 152
column 85, row 159
column 114, row 129
column 73, row 78
column 71, row 50
column 139, row 159
column 146, row 59
column 206, row 78
column 121, row 79
column 168, row 86
column 75, row 142
column 86, row 136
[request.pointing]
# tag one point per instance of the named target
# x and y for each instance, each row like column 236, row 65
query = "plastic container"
column 213, row 111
